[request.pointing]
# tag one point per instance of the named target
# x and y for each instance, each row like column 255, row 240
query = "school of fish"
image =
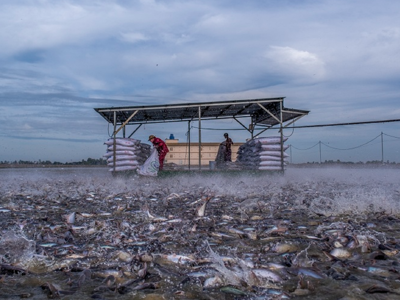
column 308, row 234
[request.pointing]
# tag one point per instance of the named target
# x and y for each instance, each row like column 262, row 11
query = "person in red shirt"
column 161, row 147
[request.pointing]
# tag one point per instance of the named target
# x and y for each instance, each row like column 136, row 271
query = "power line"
column 316, row 125
column 348, row 123
column 351, row 147
column 392, row 136
column 304, row 149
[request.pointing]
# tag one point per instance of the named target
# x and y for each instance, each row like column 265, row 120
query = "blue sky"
column 60, row 59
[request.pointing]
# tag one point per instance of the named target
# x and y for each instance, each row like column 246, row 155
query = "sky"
column 59, row 60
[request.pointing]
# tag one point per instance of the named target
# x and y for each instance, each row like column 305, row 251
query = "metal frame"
column 266, row 112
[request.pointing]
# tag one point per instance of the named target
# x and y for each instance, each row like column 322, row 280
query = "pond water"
column 80, row 233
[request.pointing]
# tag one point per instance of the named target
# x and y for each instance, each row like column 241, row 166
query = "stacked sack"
column 262, row 153
column 129, row 154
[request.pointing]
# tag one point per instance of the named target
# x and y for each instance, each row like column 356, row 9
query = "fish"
column 213, row 282
column 340, row 253
column 201, row 210
column 267, row 274
column 175, row 259
column 153, row 218
column 311, row 273
column 70, row 219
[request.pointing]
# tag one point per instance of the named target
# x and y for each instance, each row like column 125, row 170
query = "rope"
column 108, row 130
column 288, row 136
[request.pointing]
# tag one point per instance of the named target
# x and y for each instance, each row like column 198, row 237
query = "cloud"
column 302, row 65
column 133, row 37
column 60, row 59
column 33, row 56
column 26, row 127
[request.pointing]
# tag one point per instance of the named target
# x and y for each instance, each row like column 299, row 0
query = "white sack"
column 273, row 147
column 270, row 163
column 273, row 153
column 123, row 142
column 121, row 147
column 118, row 153
column 269, row 158
column 121, row 157
column 151, row 165
column 124, row 163
column 270, row 140
column 271, row 168
column 123, row 168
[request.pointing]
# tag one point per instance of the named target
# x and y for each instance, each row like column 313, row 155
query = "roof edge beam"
column 294, row 120
column 295, row 112
column 266, row 100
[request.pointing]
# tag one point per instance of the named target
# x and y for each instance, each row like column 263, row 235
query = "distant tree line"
column 333, row 162
column 87, row 162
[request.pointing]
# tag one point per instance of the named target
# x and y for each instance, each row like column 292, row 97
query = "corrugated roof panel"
column 209, row 110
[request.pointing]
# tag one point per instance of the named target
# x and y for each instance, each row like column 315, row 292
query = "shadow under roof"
column 264, row 112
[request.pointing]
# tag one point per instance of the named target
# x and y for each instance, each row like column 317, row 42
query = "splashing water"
column 311, row 214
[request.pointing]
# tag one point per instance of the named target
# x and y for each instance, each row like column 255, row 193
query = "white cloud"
column 91, row 83
column 296, row 63
column 52, row 24
column 26, row 127
column 335, row 58
column 133, row 37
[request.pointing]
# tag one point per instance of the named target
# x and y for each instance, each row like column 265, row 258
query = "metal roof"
column 265, row 112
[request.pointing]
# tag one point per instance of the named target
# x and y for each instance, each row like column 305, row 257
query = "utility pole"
column 319, row 143
column 382, row 145
column 189, row 143
column 199, row 138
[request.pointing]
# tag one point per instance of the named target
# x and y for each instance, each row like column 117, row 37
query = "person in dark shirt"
column 161, row 147
column 228, row 147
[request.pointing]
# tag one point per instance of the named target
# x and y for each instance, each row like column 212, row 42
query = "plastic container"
column 212, row 165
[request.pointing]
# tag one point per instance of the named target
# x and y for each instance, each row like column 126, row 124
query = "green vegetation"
column 47, row 163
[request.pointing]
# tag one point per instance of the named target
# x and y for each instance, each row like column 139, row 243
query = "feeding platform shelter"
column 265, row 113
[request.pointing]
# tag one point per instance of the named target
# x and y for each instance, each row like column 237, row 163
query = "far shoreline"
column 29, row 166
column 289, row 166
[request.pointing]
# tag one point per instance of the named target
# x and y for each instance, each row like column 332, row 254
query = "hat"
column 151, row 137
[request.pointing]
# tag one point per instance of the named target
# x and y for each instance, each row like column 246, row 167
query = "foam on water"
column 312, row 205
column 329, row 191
column 15, row 248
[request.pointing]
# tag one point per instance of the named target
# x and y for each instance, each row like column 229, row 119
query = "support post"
column 281, row 130
column 319, row 143
column 189, row 141
column 252, row 125
column 382, row 145
column 199, row 138
column 115, row 141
